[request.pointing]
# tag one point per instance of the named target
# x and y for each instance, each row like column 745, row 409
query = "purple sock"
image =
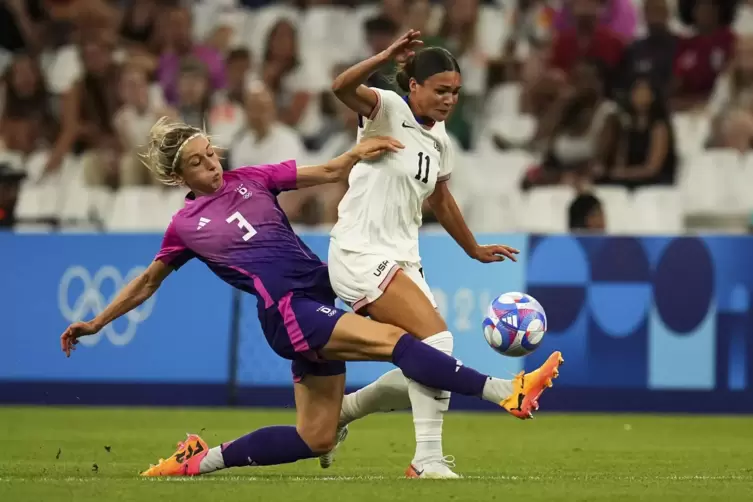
column 428, row 366
column 279, row 444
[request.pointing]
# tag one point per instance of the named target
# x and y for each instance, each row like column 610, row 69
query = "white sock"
column 388, row 393
column 429, row 406
column 497, row 390
column 213, row 461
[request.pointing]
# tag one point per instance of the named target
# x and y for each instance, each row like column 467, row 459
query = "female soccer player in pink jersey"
column 231, row 221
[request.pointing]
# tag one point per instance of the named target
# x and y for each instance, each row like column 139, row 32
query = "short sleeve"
column 173, row 251
column 448, row 161
column 387, row 103
column 274, row 177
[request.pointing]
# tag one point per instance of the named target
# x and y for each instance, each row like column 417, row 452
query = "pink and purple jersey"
column 244, row 237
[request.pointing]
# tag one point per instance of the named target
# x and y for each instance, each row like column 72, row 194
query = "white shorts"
column 361, row 278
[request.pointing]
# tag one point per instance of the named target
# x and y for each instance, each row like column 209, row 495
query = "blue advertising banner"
column 49, row 281
column 658, row 313
column 645, row 323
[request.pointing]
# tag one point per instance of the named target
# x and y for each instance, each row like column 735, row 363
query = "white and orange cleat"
column 184, row 462
column 528, row 387
column 440, row 469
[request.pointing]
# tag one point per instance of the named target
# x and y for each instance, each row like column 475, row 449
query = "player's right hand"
column 405, row 46
column 371, row 148
column 69, row 339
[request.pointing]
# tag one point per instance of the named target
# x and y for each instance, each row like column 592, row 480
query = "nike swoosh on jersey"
column 407, row 125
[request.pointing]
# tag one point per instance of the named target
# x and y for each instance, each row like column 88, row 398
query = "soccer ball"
column 515, row 324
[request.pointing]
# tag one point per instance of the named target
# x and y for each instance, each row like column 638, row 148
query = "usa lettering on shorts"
column 381, row 268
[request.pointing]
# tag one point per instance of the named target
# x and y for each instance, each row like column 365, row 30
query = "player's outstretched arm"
column 131, row 296
column 349, row 85
column 449, row 216
column 338, row 168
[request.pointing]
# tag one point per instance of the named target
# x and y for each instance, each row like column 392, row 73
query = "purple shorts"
column 299, row 329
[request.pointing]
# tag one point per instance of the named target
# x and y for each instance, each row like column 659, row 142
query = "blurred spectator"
column 458, row 33
column 266, row 137
column 586, row 214
column 531, row 22
column 19, row 28
column 60, row 59
column 523, row 61
column 238, row 64
column 178, row 44
column 619, row 16
column 194, row 93
column 530, row 26
column 652, row 57
column 701, row 57
column 137, row 25
column 381, row 31
column 731, row 105
column 345, row 130
column 28, row 122
column 295, row 85
column 133, row 121
column 269, row 141
column 419, row 15
column 646, row 155
column 98, row 99
column 580, row 134
column 587, row 39
column 744, row 18
column 338, row 143
column 394, row 10
column 227, row 117
column 10, row 180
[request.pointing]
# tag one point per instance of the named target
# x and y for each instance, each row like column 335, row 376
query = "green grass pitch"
column 50, row 454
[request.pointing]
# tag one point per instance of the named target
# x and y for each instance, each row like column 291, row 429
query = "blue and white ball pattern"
column 515, row 324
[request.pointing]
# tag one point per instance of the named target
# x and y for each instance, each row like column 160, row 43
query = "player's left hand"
column 69, row 339
column 495, row 252
column 371, row 148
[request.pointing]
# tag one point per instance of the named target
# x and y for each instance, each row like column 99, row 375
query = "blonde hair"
column 166, row 141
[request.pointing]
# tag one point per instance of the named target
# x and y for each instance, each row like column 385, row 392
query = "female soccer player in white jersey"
column 374, row 262
column 247, row 241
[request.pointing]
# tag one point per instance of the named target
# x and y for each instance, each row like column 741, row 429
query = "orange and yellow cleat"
column 184, row 462
column 528, row 387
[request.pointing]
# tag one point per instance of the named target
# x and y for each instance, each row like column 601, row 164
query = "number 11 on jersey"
column 421, row 169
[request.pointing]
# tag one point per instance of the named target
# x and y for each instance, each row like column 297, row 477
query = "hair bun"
column 405, row 73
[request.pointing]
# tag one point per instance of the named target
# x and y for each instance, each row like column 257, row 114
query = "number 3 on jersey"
column 423, row 171
column 243, row 224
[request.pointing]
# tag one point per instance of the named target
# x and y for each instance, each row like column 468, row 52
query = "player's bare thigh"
column 356, row 338
column 405, row 305
column 318, row 400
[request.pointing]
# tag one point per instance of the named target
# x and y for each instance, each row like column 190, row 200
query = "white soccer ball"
column 515, row 324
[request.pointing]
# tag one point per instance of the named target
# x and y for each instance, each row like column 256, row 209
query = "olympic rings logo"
column 91, row 301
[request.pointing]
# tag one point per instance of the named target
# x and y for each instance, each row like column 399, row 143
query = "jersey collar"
column 424, row 121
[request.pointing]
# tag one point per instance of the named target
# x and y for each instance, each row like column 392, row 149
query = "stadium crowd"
column 641, row 107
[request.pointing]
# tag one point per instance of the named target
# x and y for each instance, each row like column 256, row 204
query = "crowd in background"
column 596, row 82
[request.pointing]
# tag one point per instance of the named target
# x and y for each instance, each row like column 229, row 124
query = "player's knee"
column 391, row 335
column 442, row 341
column 429, row 326
column 319, row 439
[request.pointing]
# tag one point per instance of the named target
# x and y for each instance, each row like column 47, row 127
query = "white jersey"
column 381, row 211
